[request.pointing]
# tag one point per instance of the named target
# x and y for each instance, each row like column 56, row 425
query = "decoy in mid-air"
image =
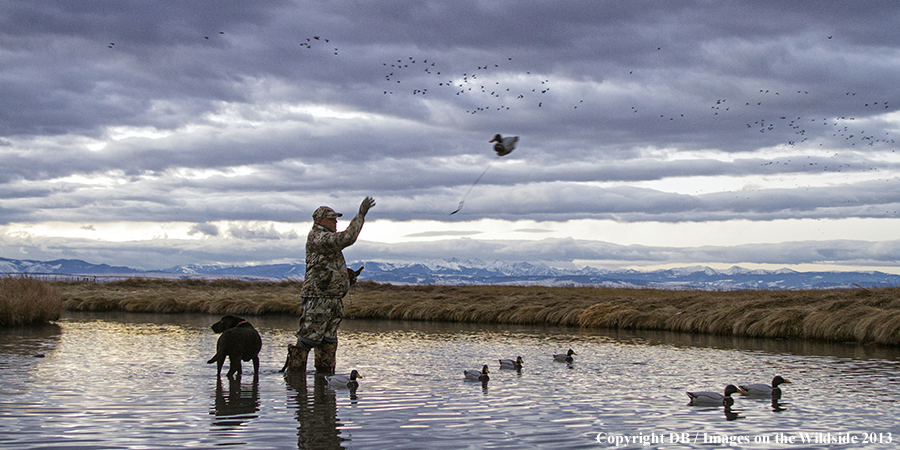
column 504, row 145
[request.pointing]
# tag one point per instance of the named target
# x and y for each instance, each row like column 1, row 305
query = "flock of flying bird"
column 492, row 82
column 841, row 127
column 483, row 83
column 518, row 87
column 497, row 86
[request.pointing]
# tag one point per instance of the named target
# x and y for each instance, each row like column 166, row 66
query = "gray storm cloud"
column 260, row 112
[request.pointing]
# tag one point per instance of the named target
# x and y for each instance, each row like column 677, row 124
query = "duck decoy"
column 706, row 398
column 565, row 357
column 344, row 381
column 504, row 145
column 760, row 390
column 511, row 364
column 477, row 375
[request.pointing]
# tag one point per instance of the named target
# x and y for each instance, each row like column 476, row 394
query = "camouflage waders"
column 296, row 360
column 326, row 282
column 326, row 358
column 318, row 329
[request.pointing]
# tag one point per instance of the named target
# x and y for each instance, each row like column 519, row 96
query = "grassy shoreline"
column 844, row 315
column 27, row 301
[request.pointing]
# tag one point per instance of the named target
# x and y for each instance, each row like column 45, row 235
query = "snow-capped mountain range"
column 470, row 272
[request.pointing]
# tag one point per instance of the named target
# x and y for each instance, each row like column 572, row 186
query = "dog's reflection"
column 237, row 405
column 316, row 413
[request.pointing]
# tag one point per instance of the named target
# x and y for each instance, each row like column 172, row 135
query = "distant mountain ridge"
column 60, row 266
column 472, row 272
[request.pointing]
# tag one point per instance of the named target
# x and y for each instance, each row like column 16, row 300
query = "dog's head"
column 226, row 322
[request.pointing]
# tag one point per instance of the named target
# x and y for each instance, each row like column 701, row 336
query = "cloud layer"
column 255, row 114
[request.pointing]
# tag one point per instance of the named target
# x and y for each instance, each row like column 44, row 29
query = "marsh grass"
column 855, row 315
column 223, row 296
column 26, row 301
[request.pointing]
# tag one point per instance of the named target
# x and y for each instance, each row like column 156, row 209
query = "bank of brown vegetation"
column 221, row 296
column 855, row 315
column 26, row 301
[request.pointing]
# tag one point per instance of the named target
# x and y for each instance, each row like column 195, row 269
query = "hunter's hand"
column 366, row 204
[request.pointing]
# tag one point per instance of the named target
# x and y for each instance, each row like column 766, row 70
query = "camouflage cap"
column 324, row 212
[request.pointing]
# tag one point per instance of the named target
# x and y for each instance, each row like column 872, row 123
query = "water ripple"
column 132, row 380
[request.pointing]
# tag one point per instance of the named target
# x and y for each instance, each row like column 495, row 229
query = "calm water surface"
column 116, row 380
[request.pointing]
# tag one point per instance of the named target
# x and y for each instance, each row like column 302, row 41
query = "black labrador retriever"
column 239, row 342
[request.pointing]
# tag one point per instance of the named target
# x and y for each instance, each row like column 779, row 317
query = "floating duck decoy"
column 504, row 145
column 706, row 398
column 511, row 364
column 760, row 390
column 344, row 381
column 565, row 357
column 475, row 375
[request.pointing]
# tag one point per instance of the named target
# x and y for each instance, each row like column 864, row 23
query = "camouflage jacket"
column 326, row 270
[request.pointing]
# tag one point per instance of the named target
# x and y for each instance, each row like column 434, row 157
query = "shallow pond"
column 118, row 380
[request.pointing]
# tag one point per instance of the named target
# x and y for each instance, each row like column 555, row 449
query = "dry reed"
column 854, row 315
column 222, row 296
column 25, row 301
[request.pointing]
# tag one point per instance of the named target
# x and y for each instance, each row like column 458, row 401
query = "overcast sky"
column 652, row 134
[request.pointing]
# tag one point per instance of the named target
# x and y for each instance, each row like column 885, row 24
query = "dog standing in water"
column 239, row 342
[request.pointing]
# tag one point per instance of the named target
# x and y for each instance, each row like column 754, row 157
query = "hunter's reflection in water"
column 237, row 405
column 316, row 413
